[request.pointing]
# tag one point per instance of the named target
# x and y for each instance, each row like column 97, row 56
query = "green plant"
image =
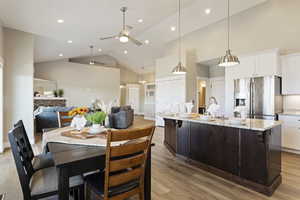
column 55, row 93
column 60, row 92
column 96, row 117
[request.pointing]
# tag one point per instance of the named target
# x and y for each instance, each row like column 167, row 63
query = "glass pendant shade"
column 179, row 69
column 123, row 39
column 228, row 60
column 92, row 62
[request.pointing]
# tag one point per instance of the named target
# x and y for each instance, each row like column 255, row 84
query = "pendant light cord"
column 123, row 19
column 179, row 30
column 228, row 24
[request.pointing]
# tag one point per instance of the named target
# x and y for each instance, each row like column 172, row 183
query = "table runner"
column 55, row 136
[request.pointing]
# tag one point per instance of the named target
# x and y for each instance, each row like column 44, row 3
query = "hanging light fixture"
column 179, row 69
column 229, row 59
column 92, row 62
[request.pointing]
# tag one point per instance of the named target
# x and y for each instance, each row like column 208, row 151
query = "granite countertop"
column 250, row 124
column 291, row 113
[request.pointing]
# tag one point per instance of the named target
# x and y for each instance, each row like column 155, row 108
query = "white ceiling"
column 87, row 20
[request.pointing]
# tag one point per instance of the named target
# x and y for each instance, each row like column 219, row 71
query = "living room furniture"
column 40, row 161
column 47, row 117
column 64, row 119
column 121, row 117
column 42, row 183
column 124, row 166
column 71, row 160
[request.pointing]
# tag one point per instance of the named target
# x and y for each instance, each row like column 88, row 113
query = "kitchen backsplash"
column 291, row 102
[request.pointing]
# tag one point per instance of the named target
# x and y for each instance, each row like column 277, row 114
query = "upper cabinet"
column 264, row 63
column 290, row 74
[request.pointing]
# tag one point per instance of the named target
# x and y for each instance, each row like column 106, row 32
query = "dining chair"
column 123, row 176
column 63, row 119
column 39, row 161
column 36, row 184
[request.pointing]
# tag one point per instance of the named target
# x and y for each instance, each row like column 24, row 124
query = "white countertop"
column 49, row 98
column 251, row 124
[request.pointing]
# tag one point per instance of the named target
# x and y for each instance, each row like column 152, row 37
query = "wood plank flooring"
column 173, row 179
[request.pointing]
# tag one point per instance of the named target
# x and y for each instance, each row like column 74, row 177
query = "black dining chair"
column 42, row 183
column 39, row 161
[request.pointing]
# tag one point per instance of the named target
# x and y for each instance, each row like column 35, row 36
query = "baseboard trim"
column 294, row 151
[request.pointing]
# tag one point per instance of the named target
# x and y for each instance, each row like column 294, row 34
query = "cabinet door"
column 183, row 138
column 170, row 134
column 215, row 149
column 290, row 75
column 199, row 142
column 247, row 67
column 267, row 64
column 230, row 151
column 254, row 156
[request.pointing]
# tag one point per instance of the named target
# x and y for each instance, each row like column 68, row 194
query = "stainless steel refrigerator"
column 261, row 96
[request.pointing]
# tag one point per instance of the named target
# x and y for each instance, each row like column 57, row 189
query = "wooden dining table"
column 73, row 158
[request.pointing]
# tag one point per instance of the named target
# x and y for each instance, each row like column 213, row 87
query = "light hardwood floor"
column 173, row 179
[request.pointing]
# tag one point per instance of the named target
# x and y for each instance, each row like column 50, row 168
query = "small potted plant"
column 60, row 92
column 97, row 119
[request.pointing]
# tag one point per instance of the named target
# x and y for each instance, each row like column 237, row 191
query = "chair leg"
column 141, row 193
column 81, row 193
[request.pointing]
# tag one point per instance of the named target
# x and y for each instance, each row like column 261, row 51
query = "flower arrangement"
column 96, row 117
column 78, row 111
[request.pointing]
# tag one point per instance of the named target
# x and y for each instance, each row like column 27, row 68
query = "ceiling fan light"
column 228, row 60
column 179, row 69
column 124, row 39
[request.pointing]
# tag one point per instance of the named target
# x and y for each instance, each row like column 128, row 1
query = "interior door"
column 134, row 98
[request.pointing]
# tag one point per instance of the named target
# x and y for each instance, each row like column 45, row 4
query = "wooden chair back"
column 64, row 119
column 125, row 163
column 22, row 156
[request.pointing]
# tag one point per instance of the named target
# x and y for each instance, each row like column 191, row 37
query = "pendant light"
column 229, row 59
column 179, row 69
column 92, row 62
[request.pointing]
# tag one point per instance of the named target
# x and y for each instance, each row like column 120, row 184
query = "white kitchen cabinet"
column 290, row 74
column 264, row 63
column 290, row 132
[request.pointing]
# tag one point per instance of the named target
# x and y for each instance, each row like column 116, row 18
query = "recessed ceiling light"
column 70, row 41
column 140, row 20
column 207, row 11
column 60, row 21
column 147, row 42
column 125, row 52
column 99, row 49
column 61, row 55
column 173, row 28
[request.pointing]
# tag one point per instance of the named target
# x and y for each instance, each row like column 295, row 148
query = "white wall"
column 1, row 88
column 81, row 83
column 18, row 80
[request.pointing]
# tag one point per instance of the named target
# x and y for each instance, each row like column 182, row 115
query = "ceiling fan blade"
column 106, row 38
column 127, row 27
column 138, row 43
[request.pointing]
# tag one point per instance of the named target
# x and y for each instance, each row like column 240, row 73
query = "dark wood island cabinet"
column 249, row 155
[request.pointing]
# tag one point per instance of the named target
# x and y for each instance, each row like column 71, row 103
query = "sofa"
column 46, row 117
column 121, row 117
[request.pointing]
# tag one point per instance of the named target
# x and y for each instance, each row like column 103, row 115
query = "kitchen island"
column 248, row 154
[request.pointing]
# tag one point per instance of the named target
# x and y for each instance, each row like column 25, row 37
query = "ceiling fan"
column 124, row 35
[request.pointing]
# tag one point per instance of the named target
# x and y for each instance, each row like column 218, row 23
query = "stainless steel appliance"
column 260, row 95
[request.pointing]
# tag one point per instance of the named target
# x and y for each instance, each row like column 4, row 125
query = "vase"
column 96, row 128
column 78, row 122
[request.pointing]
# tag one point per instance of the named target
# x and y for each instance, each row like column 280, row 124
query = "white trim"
column 150, row 118
column 290, row 150
column 1, row 61
column 168, row 78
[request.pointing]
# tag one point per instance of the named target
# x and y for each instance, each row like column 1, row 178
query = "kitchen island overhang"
column 249, row 154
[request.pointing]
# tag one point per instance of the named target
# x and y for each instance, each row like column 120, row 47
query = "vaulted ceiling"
column 86, row 21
